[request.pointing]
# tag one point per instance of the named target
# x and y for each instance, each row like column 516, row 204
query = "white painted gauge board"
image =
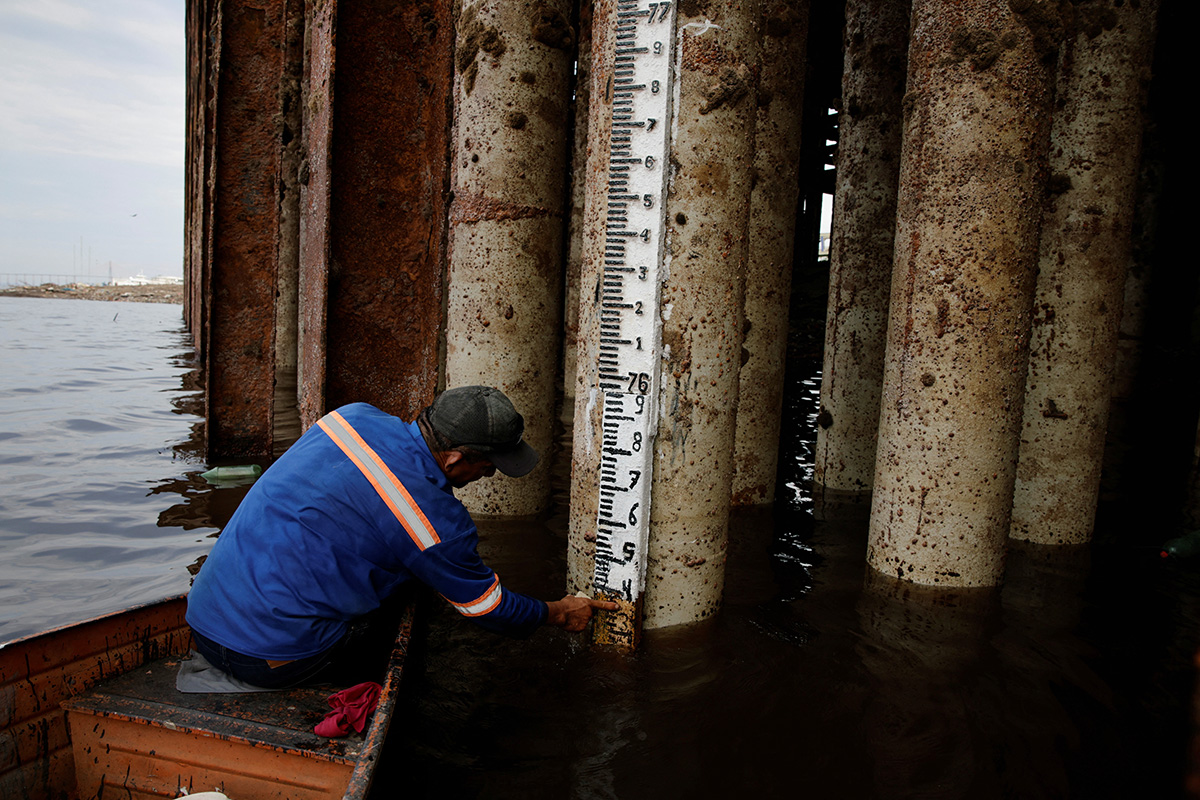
column 641, row 84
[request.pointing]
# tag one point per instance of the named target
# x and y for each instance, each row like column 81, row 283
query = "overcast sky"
column 91, row 136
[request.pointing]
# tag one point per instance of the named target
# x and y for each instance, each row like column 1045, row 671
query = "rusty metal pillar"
column 203, row 46
column 193, row 158
column 203, row 282
column 782, row 52
column 1085, row 249
column 860, row 266
column 373, row 204
column 504, row 292
column 972, row 182
column 240, row 359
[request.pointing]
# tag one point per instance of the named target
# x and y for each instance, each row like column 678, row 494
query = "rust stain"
column 622, row 628
column 731, row 85
column 469, row 208
column 474, row 38
column 550, row 27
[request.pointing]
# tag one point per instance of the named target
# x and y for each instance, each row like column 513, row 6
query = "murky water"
column 1074, row 680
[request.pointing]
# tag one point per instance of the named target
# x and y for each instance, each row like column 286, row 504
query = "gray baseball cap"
column 484, row 419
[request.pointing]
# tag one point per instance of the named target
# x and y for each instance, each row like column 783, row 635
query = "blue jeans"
column 331, row 665
column 257, row 671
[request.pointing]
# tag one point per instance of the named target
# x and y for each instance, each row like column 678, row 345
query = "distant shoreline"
column 154, row 293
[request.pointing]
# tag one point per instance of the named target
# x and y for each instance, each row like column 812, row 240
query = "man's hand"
column 573, row 613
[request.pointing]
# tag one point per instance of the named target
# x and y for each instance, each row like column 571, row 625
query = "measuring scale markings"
column 629, row 290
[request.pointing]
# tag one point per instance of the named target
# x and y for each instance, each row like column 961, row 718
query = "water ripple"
column 90, row 419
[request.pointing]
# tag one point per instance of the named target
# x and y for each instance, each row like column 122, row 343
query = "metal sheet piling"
column 373, row 197
column 240, row 298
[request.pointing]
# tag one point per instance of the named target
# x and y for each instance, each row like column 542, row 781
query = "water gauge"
column 639, row 97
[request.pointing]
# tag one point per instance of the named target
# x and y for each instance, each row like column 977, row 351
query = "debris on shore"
column 152, row 293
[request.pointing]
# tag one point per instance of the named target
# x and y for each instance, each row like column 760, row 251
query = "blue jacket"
column 353, row 510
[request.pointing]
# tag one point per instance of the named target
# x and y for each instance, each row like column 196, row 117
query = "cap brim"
column 517, row 462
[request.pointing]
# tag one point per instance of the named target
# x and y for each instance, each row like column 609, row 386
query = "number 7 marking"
column 661, row 8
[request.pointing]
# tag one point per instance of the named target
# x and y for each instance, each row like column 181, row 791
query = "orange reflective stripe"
column 386, row 484
column 482, row 604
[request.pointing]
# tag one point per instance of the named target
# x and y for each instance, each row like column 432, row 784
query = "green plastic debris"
column 240, row 474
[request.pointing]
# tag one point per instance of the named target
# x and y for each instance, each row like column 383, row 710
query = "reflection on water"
column 816, row 679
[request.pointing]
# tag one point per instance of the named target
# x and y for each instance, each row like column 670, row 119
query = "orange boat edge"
column 91, row 709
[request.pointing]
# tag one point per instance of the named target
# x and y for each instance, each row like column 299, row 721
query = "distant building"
column 142, row 280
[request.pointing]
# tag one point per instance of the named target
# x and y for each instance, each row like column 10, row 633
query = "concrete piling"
column 578, row 168
column 712, row 155
column 1154, row 421
column 586, row 439
column 972, row 180
column 1085, row 249
column 780, row 100
column 702, row 285
column 1131, row 335
column 510, row 153
column 373, row 188
column 870, row 124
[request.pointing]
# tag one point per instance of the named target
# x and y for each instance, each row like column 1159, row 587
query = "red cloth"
column 351, row 708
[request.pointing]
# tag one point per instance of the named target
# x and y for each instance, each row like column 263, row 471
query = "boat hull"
column 39, row 673
column 92, row 709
